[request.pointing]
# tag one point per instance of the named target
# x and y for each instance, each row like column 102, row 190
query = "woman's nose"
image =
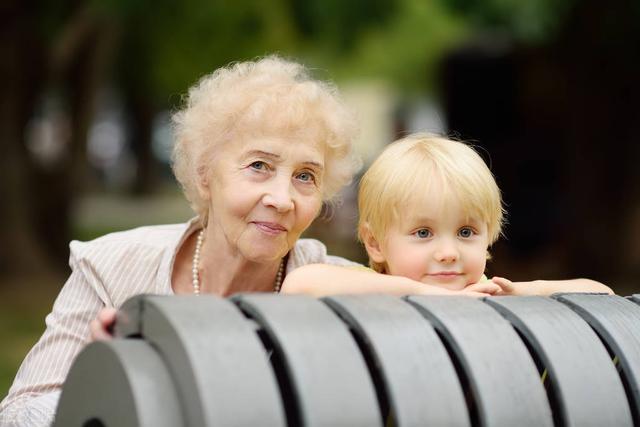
column 279, row 196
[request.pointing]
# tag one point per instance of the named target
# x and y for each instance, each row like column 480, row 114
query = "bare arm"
column 548, row 287
column 321, row 280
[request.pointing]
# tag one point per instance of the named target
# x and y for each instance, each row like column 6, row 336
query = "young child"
column 429, row 211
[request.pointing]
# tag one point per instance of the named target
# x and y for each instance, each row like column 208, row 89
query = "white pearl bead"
column 195, row 282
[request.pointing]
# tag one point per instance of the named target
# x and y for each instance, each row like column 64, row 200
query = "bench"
column 368, row 360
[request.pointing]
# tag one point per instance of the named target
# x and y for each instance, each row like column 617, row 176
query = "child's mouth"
column 445, row 275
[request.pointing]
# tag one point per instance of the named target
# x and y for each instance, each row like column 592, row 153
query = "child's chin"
column 451, row 286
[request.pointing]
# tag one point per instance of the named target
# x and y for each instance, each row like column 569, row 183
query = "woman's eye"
column 258, row 165
column 466, row 232
column 306, row 177
column 423, row 233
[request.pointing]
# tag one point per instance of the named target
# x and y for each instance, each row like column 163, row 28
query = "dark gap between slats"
column 277, row 360
column 469, row 397
column 374, row 373
column 635, row 415
column 549, row 382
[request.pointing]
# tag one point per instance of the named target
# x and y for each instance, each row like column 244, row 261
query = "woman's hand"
column 102, row 324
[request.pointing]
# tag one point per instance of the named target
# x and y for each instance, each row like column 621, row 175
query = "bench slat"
column 215, row 356
column 120, row 383
column 617, row 321
column 502, row 376
column 324, row 378
column 418, row 378
column 586, row 388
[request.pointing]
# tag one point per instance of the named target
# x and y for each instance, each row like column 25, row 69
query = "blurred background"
column 548, row 89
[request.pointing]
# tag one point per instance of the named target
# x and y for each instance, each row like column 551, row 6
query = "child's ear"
column 371, row 244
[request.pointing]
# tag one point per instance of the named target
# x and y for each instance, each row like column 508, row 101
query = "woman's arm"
column 548, row 287
column 33, row 397
column 322, row 279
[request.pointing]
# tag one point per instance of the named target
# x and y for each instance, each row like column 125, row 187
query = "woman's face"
column 264, row 192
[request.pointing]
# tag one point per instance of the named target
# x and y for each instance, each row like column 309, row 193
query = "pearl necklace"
column 195, row 276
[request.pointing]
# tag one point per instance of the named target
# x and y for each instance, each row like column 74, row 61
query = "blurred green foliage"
column 531, row 21
column 164, row 52
column 407, row 50
column 337, row 24
column 164, row 46
column 22, row 321
column 398, row 40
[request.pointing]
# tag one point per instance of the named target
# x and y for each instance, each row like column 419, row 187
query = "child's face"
column 436, row 244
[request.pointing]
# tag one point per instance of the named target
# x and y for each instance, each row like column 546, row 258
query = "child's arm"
column 321, row 279
column 548, row 287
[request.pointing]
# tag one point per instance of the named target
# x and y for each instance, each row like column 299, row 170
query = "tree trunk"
column 21, row 77
column 142, row 112
column 35, row 211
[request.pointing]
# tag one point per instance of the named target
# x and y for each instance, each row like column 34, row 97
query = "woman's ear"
column 325, row 210
column 371, row 244
column 202, row 183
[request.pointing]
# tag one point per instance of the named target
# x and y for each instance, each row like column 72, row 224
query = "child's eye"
column 423, row 233
column 306, row 177
column 466, row 232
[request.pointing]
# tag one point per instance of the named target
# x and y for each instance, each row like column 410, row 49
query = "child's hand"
column 481, row 289
column 507, row 287
column 548, row 287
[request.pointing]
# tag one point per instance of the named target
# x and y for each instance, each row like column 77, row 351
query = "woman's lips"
column 271, row 228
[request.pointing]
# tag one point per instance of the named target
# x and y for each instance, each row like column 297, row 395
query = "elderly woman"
column 259, row 146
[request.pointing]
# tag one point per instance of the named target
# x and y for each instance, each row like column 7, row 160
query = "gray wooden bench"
column 371, row 360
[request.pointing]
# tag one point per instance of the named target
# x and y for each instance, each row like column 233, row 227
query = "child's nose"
column 447, row 252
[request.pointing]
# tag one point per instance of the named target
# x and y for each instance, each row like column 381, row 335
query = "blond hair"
column 267, row 97
column 409, row 168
